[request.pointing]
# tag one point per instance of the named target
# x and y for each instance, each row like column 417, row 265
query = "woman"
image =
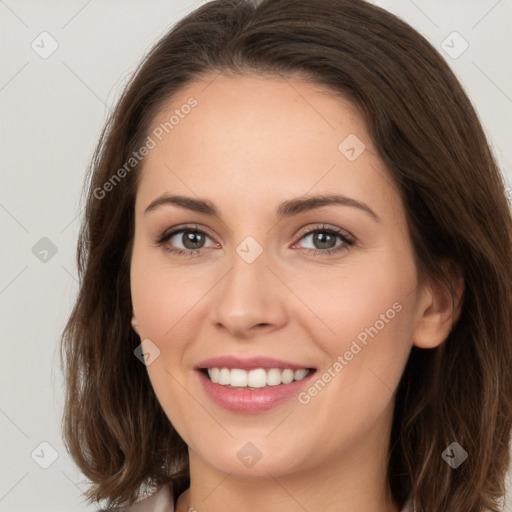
column 340, row 336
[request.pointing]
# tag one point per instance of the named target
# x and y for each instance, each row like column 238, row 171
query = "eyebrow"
column 286, row 209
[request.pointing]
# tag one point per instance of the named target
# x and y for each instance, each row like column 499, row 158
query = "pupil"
column 321, row 237
column 190, row 239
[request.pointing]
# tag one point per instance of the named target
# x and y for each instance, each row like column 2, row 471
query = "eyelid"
column 168, row 233
column 320, row 226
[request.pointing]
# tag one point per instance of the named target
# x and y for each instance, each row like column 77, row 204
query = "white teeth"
column 287, row 376
column 300, row 374
column 224, row 376
column 238, row 378
column 257, row 378
column 214, row 374
column 274, row 377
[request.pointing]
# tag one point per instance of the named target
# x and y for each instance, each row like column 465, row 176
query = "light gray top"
column 160, row 501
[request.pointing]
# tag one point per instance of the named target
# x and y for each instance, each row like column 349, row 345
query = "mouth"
column 251, row 386
column 257, row 378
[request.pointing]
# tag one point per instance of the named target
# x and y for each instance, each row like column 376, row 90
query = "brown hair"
column 427, row 133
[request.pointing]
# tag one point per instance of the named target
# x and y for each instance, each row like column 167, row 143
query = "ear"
column 439, row 310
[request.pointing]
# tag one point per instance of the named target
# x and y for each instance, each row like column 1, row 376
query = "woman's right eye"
column 189, row 237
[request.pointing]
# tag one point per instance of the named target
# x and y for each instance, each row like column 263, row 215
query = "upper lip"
column 249, row 363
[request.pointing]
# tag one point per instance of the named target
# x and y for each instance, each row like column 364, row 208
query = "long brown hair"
column 427, row 133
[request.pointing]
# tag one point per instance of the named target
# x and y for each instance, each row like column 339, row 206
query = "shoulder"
column 160, row 501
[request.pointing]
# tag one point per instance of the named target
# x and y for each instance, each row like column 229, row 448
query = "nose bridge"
column 249, row 294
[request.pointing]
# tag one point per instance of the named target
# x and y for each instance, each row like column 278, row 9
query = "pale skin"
column 251, row 143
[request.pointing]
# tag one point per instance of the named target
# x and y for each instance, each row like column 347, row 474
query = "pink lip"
column 250, row 363
column 251, row 401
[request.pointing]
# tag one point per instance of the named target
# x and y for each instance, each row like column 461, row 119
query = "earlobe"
column 135, row 325
column 440, row 310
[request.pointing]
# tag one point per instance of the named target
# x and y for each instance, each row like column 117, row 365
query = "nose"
column 250, row 299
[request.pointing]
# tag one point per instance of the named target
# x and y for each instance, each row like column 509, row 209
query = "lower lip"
column 251, row 400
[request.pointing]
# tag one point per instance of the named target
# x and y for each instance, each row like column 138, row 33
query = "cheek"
column 361, row 300
column 163, row 294
column 369, row 310
column 163, row 299
column 364, row 364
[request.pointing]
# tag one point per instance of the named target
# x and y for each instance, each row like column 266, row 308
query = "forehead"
column 263, row 137
column 230, row 107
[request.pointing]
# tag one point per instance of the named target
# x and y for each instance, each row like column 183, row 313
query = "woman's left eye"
column 190, row 237
column 325, row 236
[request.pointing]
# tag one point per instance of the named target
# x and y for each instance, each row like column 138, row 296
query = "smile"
column 254, row 384
column 255, row 379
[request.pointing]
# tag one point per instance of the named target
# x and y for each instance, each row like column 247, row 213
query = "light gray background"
column 52, row 111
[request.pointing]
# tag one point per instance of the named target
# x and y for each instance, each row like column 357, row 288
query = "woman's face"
column 277, row 273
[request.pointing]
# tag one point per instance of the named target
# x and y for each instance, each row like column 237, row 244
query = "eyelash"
column 348, row 241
